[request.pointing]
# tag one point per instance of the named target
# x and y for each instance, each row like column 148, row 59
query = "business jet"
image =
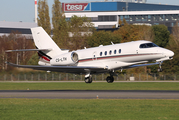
column 88, row 61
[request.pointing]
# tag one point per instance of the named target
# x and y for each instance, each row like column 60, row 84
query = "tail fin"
column 43, row 41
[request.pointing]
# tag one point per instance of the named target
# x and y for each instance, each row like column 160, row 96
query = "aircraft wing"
column 141, row 65
column 67, row 69
column 75, row 69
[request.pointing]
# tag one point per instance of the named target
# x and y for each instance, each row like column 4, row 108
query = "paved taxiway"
column 90, row 94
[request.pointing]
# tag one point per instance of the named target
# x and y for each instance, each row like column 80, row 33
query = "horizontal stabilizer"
column 20, row 50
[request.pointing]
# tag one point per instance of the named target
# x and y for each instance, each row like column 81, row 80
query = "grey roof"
column 5, row 24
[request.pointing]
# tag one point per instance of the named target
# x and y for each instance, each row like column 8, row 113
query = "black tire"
column 160, row 70
column 88, row 79
column 110, row 79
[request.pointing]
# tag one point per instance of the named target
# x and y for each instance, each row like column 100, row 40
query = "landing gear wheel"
column 110, row 79
column 160, row 70
column 88, row 79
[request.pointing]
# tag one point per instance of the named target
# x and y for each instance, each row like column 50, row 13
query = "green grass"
column 93, row 109
column 93, row 86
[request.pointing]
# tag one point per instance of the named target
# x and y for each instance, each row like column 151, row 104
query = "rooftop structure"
column 105, row 15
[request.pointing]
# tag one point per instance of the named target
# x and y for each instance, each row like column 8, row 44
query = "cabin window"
column 119, row 50
column 114, row 51
column 105, row 53
column 148, row 45
column 151, row 45
column 110, row 52
column 101, row 53
column 143, row 46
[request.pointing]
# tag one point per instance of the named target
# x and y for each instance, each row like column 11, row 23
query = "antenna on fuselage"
column 112, row 43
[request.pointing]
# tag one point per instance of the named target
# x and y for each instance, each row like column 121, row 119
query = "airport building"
column 105, row 15
column 18, row 27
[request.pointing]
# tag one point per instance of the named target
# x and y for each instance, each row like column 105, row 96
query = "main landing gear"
column 88, row 79
column 109, row 79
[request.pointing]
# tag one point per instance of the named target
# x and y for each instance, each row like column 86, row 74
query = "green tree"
column 79, row 29
column 175, row 34
column 161, row 38
column 135, row 32
column 161, row 35
column 59, row 24
column 33, row 60
column 172, row 66
column 103, row 38
column 43, row 16
column 12, row 42
column 63, row 33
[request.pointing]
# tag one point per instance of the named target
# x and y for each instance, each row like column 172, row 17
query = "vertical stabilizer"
column 44, row 41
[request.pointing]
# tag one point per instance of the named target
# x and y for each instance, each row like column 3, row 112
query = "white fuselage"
column 120, row 55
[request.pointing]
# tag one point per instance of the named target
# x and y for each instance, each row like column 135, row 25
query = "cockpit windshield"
column 148, row 45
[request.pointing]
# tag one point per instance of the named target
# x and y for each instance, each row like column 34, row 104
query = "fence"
column 74, row 77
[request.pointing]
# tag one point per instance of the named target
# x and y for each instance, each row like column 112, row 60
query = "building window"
column 163, row 17
column 107, row 18
column 153, row 17
column 168, row 17
column 112, row 18
column 138, row 18
column 67, row 19
column 172, row 24
column 121, row 17
column 144, row 18
column 126, row 16
column 160, row 17
column 100, row 18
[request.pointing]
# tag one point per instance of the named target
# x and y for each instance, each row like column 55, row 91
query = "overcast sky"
column 23, row 10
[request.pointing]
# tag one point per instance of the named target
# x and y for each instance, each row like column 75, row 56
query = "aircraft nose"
column 170, row 53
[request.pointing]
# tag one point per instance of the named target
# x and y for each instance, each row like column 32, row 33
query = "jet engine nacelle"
column 65, row 59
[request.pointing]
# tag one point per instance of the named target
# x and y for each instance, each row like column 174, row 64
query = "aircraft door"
column 94, row 55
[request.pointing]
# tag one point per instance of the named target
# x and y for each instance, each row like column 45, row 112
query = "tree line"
column 12, row 42
column 79, row 32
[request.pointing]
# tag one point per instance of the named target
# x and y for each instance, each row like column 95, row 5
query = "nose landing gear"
column 160, row 66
